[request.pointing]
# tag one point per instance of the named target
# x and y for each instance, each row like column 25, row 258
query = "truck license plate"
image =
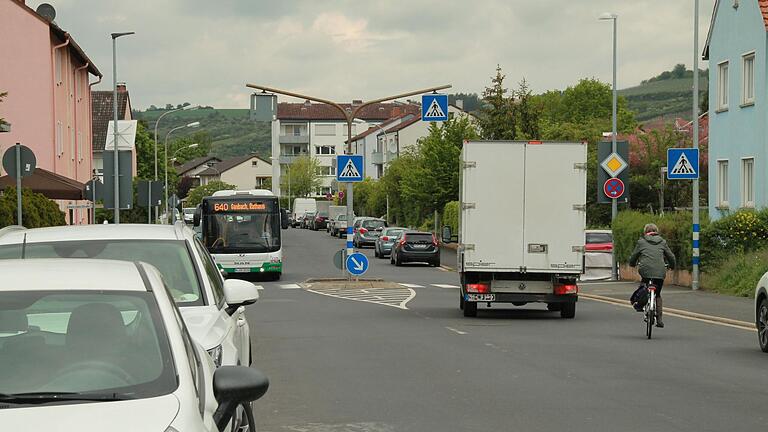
column 481, row 297
column 242, row 270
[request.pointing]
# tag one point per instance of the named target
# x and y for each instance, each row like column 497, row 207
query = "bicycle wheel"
column 648, row 322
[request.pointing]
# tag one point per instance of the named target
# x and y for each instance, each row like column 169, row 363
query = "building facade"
column 738, row 139
column 102, row 114
column 245, row 172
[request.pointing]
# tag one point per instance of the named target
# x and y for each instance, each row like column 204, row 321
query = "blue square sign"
column 682, row 163
column 434, row 107
column 349, row 168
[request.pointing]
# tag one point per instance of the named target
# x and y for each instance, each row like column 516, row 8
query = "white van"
column 300, row 206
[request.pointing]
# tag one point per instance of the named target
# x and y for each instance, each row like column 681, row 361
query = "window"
column 58, row 60
column 325, row 129
column 748, row 80
column 79, row 146
column 71, row 143
column 748, row 182
column 325, row 171
column 722, row 184
column 59, row 138
column 354, row 129
column 722, row 86
column 323, row 191
column 325, row 150
column 254, row 163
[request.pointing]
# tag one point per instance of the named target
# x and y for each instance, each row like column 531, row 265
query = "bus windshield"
column 242, row 233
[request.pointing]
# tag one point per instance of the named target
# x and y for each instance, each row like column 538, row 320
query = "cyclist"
column 652, row 256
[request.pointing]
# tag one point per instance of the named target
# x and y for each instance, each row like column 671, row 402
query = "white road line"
column 456, row 331
column 407, row 285
column 445, row 286
column 385, row 299
column 290, row 286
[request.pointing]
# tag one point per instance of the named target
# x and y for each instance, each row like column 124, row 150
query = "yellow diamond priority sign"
column 614, row 165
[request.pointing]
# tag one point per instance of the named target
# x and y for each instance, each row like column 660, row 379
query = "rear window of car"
column 418, row 238
column 392, row 232
column 599, row 238
column 373, row 224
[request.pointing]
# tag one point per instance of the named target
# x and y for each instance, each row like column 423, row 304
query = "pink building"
column 48, row 79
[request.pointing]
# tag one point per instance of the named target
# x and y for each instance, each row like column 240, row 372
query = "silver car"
column 384, row 243
column 761, row 312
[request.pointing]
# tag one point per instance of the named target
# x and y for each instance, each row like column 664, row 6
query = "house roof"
column 195, row 163
column 63, row 35
column 316, row 111
column 404, row 124
column 379, row 127
column 762, row 4
column 101, row 112
column 228, row 164
column 52, row 185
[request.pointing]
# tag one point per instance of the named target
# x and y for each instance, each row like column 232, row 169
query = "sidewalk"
column 681, row 298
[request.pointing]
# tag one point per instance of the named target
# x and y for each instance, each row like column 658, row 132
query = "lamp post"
column 614, row 202
column 114, row 111
column 157, row 122
column 350, row 116
column 190, row 125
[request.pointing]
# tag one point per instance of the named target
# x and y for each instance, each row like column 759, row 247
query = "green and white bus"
column 241, row 230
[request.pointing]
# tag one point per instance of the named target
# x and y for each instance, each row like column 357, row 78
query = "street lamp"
column 157, row 122
column 614, row 202
column 288, row 172
column 114, row 111
column 190, row 125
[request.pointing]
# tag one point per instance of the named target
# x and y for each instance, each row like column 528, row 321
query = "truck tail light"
column 570, row 288
column 480, row 288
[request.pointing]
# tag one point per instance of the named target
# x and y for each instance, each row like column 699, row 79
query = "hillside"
column 665, row 95
column 231, row 130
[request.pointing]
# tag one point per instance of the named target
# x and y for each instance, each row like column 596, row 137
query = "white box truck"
column 521, row 223
column 301, row 206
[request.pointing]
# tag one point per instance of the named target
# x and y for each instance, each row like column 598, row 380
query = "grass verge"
column 737, row 275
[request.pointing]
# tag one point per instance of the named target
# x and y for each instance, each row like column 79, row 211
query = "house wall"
column 740, row 131
column 246, row 176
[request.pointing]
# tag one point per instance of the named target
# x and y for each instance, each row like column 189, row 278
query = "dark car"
column 414, row 246
column 319, row 221
column 366, row 231
column 386, row 241
column 285, row 218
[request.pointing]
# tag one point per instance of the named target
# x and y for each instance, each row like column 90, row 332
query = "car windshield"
column 84, row 342
column 599, row 238
column 392, row 232
column 171, row 257
column 373, row 224
column 242, row 233
column 418, row 238
column 341, row 217
column 189, row 211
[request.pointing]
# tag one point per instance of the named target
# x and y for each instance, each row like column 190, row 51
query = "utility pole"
column 115, row 154
column 696, row 226
column 350, row 116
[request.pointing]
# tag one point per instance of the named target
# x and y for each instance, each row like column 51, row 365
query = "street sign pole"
column 18, row 184
column 614, row 202
column 696, row 225
column 350, row 192
column 149, row 202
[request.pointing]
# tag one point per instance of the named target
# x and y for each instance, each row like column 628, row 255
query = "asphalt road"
column 338, row 364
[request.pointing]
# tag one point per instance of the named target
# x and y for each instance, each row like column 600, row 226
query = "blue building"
column 738, row 137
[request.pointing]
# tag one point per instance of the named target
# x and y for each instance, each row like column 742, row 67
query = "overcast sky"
column 204, row 51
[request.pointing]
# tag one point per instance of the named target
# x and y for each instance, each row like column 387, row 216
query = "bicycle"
column 650, row 310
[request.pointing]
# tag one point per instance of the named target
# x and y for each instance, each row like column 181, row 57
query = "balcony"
column 291, row 158
column 294, row 139
column 377, row 158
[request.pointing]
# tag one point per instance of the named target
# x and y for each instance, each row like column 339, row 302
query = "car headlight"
column 215, row 354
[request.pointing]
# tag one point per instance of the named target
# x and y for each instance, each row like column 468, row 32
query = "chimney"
column 121, row 88
column 356, row 102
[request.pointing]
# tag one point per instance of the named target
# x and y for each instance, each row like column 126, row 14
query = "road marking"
column 445, row 286
column 447, row 268
column 679, row 313
column 456, row 331
column 394, row 297
column 411, row 285
column 290, row 286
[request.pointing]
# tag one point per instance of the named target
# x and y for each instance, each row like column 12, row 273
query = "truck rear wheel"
column 470, row 309
column 568, row 310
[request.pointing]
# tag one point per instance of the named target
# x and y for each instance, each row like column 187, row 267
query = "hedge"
column 738, row 274
column 740, row 232
column 451, row 216
column 675, row 227
column 37, row 210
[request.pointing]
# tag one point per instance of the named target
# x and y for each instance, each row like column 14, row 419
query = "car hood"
column 206, row 324
column 152, row 414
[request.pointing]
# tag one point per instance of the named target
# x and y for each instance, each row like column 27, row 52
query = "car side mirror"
column 447, row 234
column 197, row 216
column 239, row 293
column 235, row 385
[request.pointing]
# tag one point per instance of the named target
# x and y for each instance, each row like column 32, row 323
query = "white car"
column 761, row 312
column 94, row 345
column 192, row 278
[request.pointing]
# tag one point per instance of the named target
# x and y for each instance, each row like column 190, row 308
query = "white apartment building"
column 320, row 131
column 365, row 144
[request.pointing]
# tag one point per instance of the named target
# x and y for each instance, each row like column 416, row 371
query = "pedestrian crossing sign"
column 349, row 168
column 434, row 107
column 682, row 163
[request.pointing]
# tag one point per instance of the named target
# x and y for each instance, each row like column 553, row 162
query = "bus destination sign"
column 238, row 206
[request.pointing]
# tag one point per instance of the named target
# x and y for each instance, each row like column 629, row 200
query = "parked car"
column 301, row 206
column 285, row 218
column 307, row 219
column 339, row 228
column 384, row 242
column 761, row 312
column 190, row 273
column 367, row 231
column 189, row 214
column 319, row 221
column 88, row 343
column 414, row 246
column 598, row 241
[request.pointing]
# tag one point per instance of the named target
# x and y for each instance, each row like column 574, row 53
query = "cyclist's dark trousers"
column 658, row 283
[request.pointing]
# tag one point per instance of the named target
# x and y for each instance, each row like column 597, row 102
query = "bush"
column 738, row 274
column 451, row 216
column 37, row 210
column 675, row 227
column 740, row 232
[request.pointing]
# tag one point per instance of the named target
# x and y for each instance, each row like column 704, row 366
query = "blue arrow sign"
column 349, row 168
column 357, row 264
column 682, row 163
column 434, row 107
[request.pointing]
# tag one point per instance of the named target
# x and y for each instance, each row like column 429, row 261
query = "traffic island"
column 341, row 283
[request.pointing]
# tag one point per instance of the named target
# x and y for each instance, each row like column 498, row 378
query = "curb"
column 679, row 312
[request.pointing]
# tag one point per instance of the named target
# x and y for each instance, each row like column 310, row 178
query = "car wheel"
column 392, row 258
column 398, row 261
column 376, row 252
column 568, row 310
column 470, row 309
column 762, row 325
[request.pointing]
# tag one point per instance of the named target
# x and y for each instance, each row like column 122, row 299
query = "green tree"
column 197, row 194
column 304, row 177
column 145, row 154
column 528, row 113
column 497, row 115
